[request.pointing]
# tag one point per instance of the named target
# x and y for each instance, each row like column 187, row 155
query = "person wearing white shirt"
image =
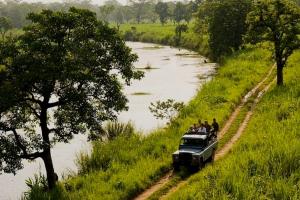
column 202, row 129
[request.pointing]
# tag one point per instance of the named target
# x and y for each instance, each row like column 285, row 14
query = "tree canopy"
column 61, row 77
column 161, row 9
column 276, row 21
column 5, row 25
column 105, row 10
column 180, row 12
column 225, row 23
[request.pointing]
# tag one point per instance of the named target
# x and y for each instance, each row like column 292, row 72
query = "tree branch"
column 19, row 143
column 32, row 156
column 34, row 111
column 54, row 104
column 32, row 99
column 53, row 130
column 25, row 155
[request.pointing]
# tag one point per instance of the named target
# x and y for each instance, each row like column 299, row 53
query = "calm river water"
column 176, row 74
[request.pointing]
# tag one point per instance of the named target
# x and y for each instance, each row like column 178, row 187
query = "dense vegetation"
column 224, row 24
column 270, row 167
column 156, row 33
column 137, row 11
column 118, row 171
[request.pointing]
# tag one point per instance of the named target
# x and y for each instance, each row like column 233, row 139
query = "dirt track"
column 155, row 187
column 258, row 92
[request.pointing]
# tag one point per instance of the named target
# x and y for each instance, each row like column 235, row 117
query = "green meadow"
column 265, row 162
column 124, row 167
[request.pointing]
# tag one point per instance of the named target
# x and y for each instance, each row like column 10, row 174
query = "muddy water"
column 175, row 74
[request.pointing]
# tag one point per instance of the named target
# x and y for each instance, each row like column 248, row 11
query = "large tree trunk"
column 279, row 74
column 51, row 177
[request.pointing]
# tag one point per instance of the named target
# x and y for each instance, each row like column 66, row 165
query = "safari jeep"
column 194, row 150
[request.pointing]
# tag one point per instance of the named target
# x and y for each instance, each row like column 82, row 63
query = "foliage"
column 135, row 11
column 264, row 164
column 5, row 25
column 165, row 109
column 180, row 28
column 161, row 9
column 38, row 180
column 62, row 77
column 105, row 10
column 224, row 23
column 139, row 7
column 179, row 12
column 156, row 33
column 124, row 167
column 276, row 21
column 115, row 129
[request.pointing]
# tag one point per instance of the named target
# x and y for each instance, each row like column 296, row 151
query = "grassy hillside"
column 265, row 163
column 126, row 166
column 156, row 33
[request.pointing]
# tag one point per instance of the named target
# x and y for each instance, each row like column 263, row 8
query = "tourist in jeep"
column 202, row 130
column 199, row 123
column 207, row 127
column 215, row 126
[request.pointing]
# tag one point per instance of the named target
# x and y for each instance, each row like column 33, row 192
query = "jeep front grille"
column 185, row 158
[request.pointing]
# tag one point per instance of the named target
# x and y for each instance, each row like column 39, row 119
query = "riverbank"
column 126, row 166
column 265, row 162
column 164, row 34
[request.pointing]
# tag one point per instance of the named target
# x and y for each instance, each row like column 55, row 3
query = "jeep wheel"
column 201, row 163
column 212, row 157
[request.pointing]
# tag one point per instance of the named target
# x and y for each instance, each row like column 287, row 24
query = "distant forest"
column 137, row 11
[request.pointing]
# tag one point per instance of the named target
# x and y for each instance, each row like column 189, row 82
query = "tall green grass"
column 265, row 163
column 125, row 166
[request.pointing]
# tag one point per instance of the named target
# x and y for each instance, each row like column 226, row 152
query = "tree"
column 105, row 11
column 150, row 15
column 188, row 12
column 179, row 12
column 225, row 22
column 139, row 8
column 118, row 16
column 180, row 28
column 276, row 21
column 5, row 25
column 166, row 109
column 59, row 78
column 128, row 13
column 161, row 9
column 195, row 5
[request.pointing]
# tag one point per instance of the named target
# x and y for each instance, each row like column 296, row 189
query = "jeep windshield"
column 192, row 143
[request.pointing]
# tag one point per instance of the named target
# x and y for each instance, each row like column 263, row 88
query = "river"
column 174, row 74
